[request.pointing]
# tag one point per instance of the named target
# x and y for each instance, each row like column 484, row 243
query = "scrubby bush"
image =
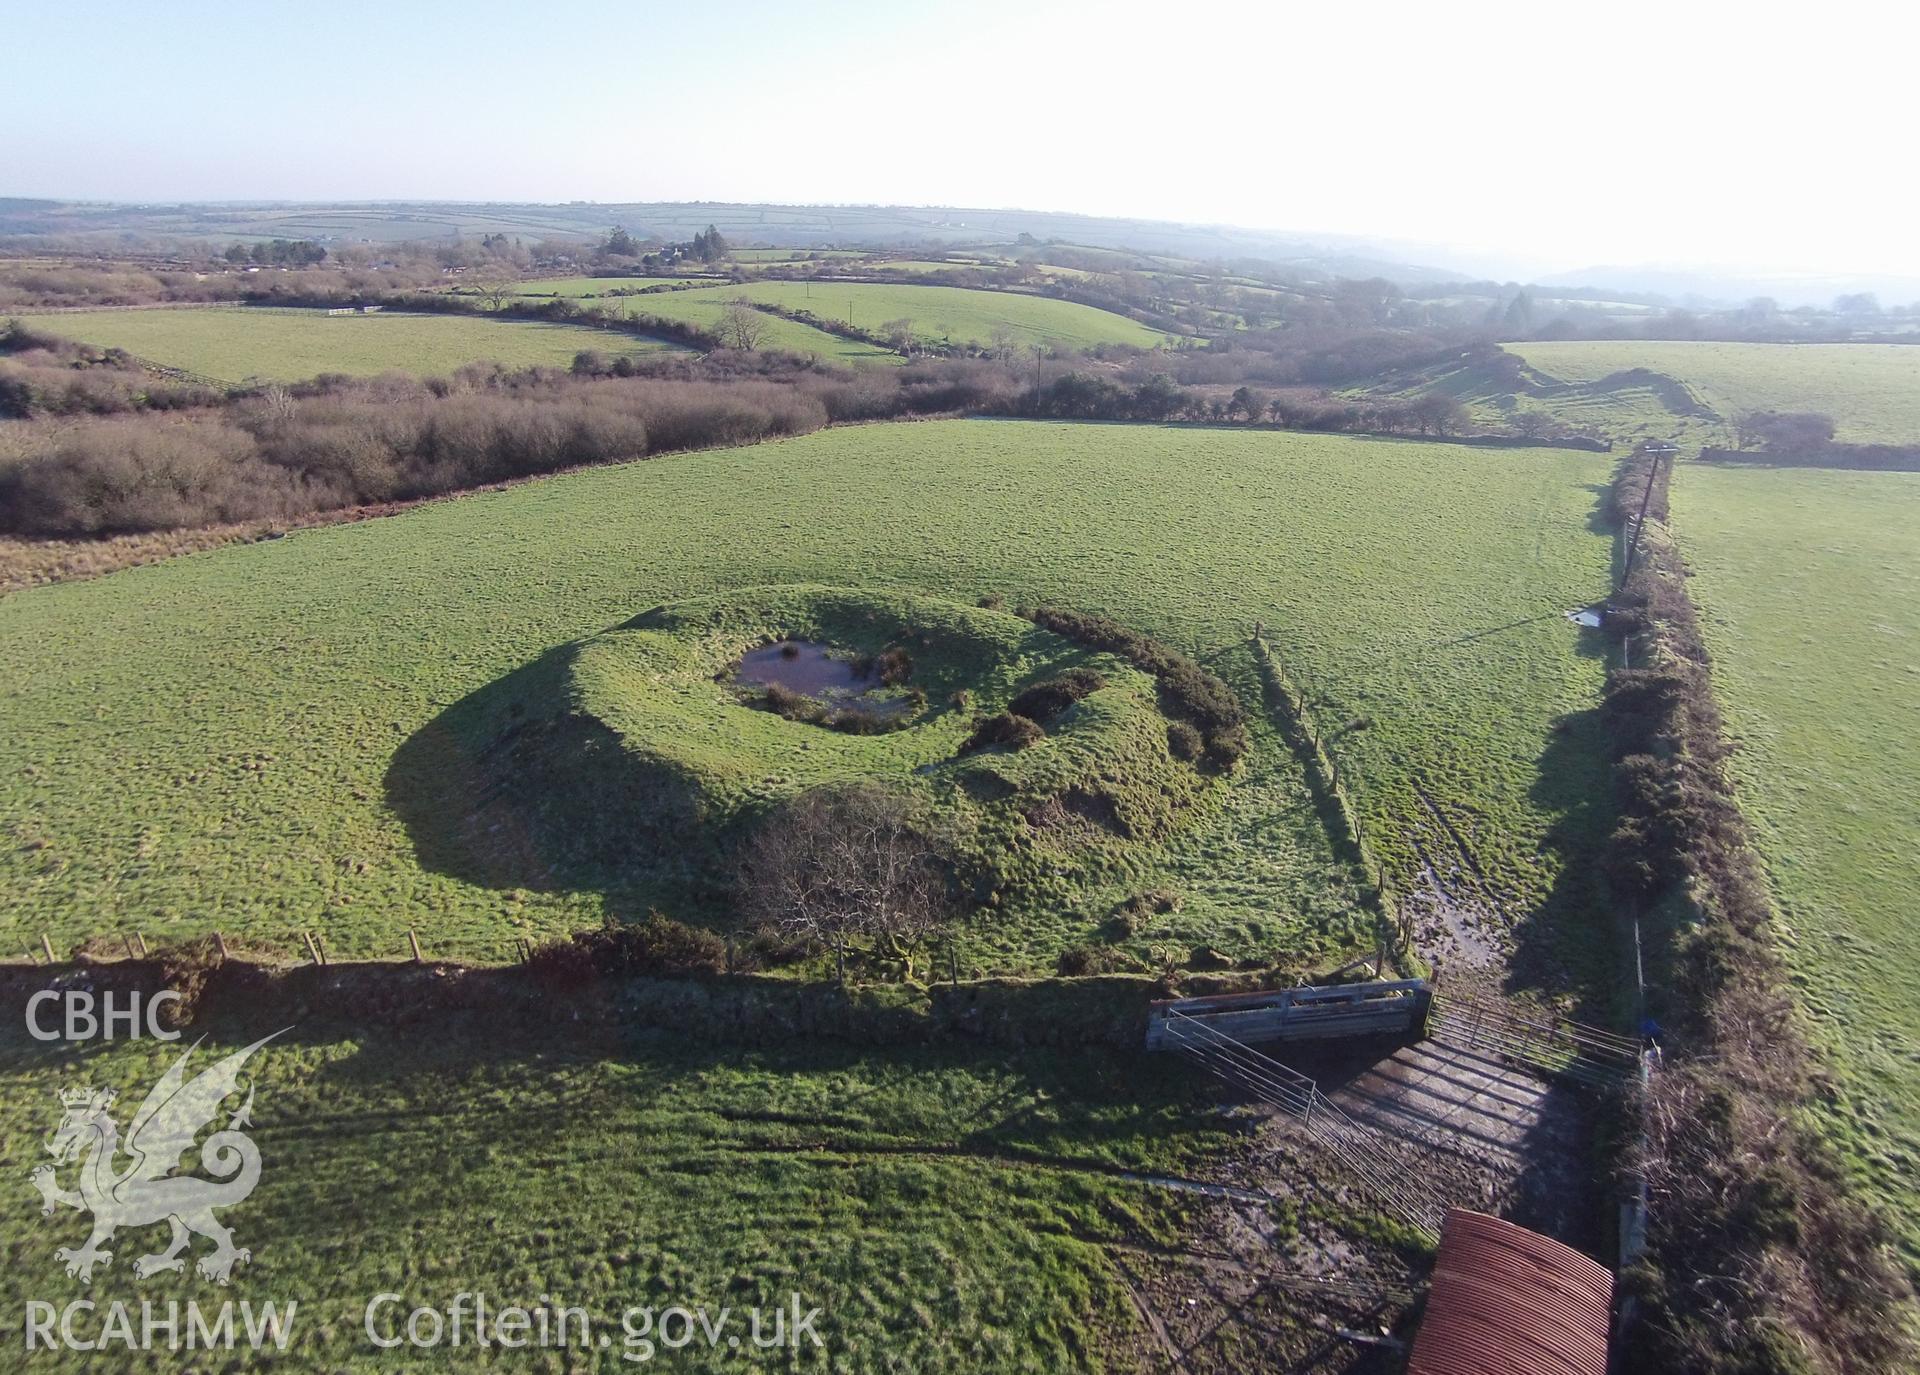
column 893, row 667
column 125, row 475
column 1130, row 916
column 1078, row 961
column 657, row 946
column 1005, row 730
column 1046, row 700
column 1184, row 741
column 849, row 719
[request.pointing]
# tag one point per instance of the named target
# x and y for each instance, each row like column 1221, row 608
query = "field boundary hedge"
column 1759, row 1260
column 1102, row 1009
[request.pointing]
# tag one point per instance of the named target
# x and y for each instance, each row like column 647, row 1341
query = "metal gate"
column 1390, row 1007
column 1357, row 1148
column 1586, row 1054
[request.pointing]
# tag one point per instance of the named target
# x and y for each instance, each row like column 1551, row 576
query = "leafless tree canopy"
column 846, row 865
column 742, row 327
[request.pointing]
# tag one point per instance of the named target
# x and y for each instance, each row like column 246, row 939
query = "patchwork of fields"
column 239, row 343
column 939, row 314
column 209, row 743
column 1809, row 585
column 1871, row 390
column 704, row 306
column 599, row 286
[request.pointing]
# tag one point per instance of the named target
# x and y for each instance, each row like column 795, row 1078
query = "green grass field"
column 238, row 343
column 788, row 255
column 600, row 286
column 1872, row 391
column 1810, row 587
column 210, row 743
column 940, row 314
column 946, row 1212
column 955, row 315
column 927, row 264
column 704, row 306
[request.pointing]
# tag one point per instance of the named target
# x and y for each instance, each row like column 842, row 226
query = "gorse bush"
column 1004, row 730
column 1046, row 700
column 656, row 946
column 1184, row 741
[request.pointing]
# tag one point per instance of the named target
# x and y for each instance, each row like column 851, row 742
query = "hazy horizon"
column 1551, row 145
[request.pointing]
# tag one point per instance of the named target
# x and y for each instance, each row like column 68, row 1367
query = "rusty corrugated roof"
column 1506, row 1301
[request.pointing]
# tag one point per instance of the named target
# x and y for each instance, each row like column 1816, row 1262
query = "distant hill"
column 1710, row 287
column 800, row 226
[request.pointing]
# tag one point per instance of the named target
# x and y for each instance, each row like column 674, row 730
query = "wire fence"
column 409, row 946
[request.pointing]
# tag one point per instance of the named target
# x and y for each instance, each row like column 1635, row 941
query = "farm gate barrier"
column 1376, row 1008
column 1294, row 1094
column 1418, row 1010
column 1217, row 1033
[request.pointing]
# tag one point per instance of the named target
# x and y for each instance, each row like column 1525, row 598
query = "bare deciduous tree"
column 842, row 865
column 741, row 326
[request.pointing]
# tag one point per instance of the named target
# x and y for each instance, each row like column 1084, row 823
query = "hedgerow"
column 1758, row 1260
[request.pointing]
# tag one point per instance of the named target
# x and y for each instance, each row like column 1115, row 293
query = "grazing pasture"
column 788, row 255
column 1872, row 391
column 945, row 1212
column 939, row 314
column 230, row 740
column 240, row 343
column 601, row 286
column 705, row 307
column 953, row 315
column 1809, row 587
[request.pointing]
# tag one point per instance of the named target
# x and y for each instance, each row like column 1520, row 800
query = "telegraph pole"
column 1656, row 452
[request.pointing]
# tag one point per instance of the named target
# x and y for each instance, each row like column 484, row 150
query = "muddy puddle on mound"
column 813, row 670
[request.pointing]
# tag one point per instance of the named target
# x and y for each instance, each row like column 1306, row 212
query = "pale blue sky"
column 1675, row 131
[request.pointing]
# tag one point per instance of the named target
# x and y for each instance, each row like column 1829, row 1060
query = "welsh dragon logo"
column 147, row 1191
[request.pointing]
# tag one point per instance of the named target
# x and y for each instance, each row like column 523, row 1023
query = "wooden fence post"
column 414, row 941
column 141, row 941
column 220, row 944
column 46, row 945
column 312, row 949
column 128, row 941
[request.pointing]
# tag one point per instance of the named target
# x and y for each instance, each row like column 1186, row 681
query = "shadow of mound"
column 511, row 788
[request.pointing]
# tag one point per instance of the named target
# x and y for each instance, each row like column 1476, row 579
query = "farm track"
column 1455, row 909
